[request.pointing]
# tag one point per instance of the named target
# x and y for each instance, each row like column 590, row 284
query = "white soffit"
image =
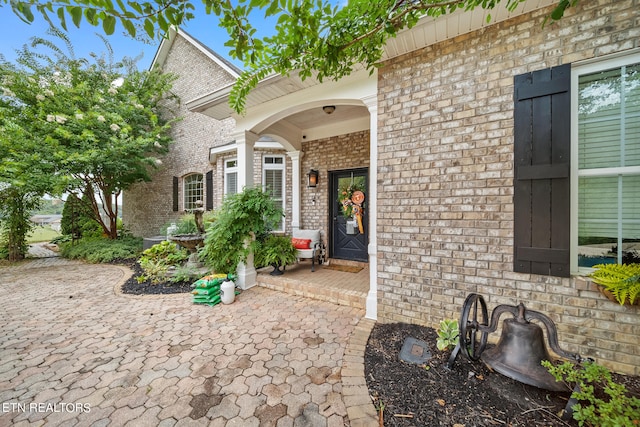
column 429, row 31
column 426, row 32
column 216, row 104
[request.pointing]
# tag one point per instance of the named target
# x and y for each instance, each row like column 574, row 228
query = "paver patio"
column 74, row 351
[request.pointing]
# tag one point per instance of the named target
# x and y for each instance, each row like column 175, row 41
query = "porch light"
column 312, row 178
column 329, row 109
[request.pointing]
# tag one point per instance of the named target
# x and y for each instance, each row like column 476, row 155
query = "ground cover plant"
column 99, row 249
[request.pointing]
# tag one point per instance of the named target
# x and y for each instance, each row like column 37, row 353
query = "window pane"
column 609, row 118
column 598, row 220
column 273, row 183
column 609, row 215
column 232, row 183
column 193, row 191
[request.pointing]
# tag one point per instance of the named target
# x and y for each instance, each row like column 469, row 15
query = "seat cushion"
column 305, row 253
column 301, row 243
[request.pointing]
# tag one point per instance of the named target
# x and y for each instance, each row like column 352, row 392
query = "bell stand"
column 474, row 331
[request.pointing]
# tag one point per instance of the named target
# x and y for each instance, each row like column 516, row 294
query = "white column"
column 295, row 157
column 246, row 273
column 372, row 200
column 245, row 141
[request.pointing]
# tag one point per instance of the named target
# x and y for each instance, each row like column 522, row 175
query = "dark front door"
column 349, row 234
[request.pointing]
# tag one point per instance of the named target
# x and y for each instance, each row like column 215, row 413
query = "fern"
column 622, row 280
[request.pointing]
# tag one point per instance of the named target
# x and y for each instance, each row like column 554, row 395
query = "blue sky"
column 14, row 33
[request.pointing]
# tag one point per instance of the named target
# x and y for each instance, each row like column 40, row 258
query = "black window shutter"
column 175, row 193
column 542, row 143
column 209, row 190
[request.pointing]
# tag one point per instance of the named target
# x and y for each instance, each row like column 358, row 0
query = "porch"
column 340, row 282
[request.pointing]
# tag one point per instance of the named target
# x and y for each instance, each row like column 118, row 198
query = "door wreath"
column 351, row 198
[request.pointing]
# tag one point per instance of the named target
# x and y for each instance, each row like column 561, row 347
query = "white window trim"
column 228, row 170
column 276, row 166
column 577, row 70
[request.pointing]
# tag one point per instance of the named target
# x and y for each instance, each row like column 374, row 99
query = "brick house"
column 483, row 149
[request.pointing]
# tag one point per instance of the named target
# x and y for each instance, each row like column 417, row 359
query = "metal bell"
column 519, row 354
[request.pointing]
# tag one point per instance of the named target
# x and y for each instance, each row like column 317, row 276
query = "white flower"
column 31, row 80
column 117, row 82
column 114, row 127
column 157, row 144
column 51, row 118
column 139, row 106
column 113, row 90
column 7, row 92
column 101, row 100
column 157, row 162
column 101, row 119
column 61, row 119
column 79, row 116
column 40, row 97
column 48, row 92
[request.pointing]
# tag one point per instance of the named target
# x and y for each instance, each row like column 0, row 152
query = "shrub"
column 98, row 249
column 242, row 216
column 77, row 218
column 276, row 251
column 4, row 247
column 601, row 401
column 167, row 252
column 156, row 260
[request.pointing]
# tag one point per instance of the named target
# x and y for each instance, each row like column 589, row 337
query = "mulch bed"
column 467, row 395
column 132, row 286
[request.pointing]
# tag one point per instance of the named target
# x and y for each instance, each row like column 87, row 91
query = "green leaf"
column 128, row 25
column 24, row 11
column 90, row 15
column 76, row 15
column 149, row 27
column 109, row 24
column 136, row 6
column 61, row 17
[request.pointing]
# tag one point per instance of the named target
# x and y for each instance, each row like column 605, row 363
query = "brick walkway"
column 74, row 351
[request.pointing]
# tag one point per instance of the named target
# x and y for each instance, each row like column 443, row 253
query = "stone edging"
column 360, row 409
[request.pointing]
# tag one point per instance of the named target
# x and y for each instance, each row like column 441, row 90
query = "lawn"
column 42, row 234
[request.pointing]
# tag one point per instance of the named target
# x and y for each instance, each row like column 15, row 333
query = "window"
column 193, row 190
column 273, row 176
column 606, row 162
column 230, row 176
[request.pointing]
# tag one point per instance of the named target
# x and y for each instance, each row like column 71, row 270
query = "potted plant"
column 618, row 282
column 230, row 238
column 276, row 251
